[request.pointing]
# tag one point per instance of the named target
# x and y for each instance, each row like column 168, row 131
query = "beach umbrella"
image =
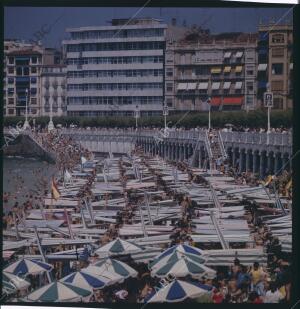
column 117, row 267
column 184, row 249
column 86, row 280
column 58, row 292
column 182, row 267
column 16, row 281
column 101, row 272
column 118, row 247
column 175, row 256
column 177, row 291
column 28, row 267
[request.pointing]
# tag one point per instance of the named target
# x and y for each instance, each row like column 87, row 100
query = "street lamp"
column 26, row 123
column 137, row 114
column 165, row 113
column 50, row 125
column 209, row 107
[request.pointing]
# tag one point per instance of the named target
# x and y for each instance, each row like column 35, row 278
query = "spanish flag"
column 54, row 190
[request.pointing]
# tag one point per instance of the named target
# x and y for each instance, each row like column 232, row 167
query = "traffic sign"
column 268, row 99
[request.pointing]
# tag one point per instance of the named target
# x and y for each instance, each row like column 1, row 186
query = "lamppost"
column 165, row 113
column 50, row 125
column 209, row 107
column 268, row 102
column 26, row 123
column 137, row 114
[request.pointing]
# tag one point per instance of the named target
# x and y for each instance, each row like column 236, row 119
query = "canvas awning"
column 233, row 101
column 238, row 85
column 239, row 54
column 215, row 101
column 227, row 70
column 203, row 86
column 262, row 67
column 226, row 85
column 215, row 86
column 215, row 70
column 227, row 55
column 182, row 86
column 191, row 86
column 238, row 69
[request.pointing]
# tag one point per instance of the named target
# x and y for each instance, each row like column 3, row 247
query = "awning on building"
column 239, row 54
column 191, row 86
column 203, row 86
column 227, row 55
column 233, row 101
column 238, row 69
column 226, row 85
column 227, row 70
column 215, row 85
column 215, row 101
column 215, row 70
column 238, row 85
column 291, row 66
column 262, row 66
column 182, row 86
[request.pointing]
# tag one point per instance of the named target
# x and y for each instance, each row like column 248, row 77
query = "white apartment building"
column 116, row 69
column 53, row 89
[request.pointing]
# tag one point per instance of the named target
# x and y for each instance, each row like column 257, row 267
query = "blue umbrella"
column 177, row 291
column 25, row 267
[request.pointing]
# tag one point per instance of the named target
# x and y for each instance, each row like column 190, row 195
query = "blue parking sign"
column 268, row 99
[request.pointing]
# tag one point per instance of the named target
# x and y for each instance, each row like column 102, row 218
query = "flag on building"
column 54, row 190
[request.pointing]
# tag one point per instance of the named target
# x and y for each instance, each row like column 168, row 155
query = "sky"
column 29, row 23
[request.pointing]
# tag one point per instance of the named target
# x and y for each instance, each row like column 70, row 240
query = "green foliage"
column 252, row 119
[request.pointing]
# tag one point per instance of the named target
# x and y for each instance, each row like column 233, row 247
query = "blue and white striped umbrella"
column 17, row 282
column 177, row 291
column 25, row 267
column 58, row 292
column 176, row 255
column 116, row 267
column 182, row 267
column 118, row 247
column 181, row 249
column 86, row 280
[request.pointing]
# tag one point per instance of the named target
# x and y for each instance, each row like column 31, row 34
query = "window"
column 11, row 101
column 34, row 60
column 250, row 72
column 33, row 91
column 33, row 101
column 278, row 103
column 169, row 102
column 249, row 86
column 169, row 87
column 33, row 111
column 10, row 80
column 33, row 80
column 277, row 52
column 11, row 91
column 277, row 38
column 277, row 85
column 169, row 72
column 26, row 71
column 33, row 70
column 11, row 60
column 11, row 71
column 11, row 111
column 277, row 68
